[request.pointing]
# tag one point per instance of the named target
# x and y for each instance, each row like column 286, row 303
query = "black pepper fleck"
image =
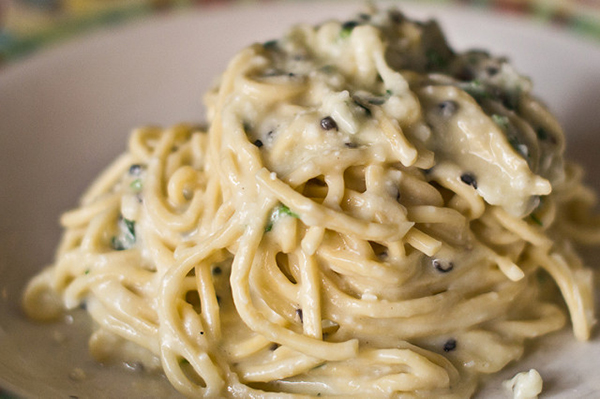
column 450, row 345
column 349, row 25
column 328, row 123
column 270, row 45
column 442, row 266
column 465, row 74
column 135, row 169
column 447, row 108
column 469, row 179
column 216, row 271
column 258, row 143
column 271, row 72
column 299, row 313
column 492, row 70
column 543, row 135
column 396, row 16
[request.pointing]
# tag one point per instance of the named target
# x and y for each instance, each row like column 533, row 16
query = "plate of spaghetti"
column 367, row 205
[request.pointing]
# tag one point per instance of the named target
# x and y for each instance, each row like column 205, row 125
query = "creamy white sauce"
column 469, row 138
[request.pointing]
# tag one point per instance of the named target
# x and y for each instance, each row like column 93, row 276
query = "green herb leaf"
column 542, row 134
column 126, row 238
column 277, row 213
column 284, row 210
column 476, row 89
column 347, row 29
column 362, row 104
column 504, row 123
column 518, row 146
column 270, row 45
column 434, row 59
column 116, row 244
column 511, row 98
column 130, row 224
column 536, row 220
column 136, row 185
column 328, row 69
column 501, row 121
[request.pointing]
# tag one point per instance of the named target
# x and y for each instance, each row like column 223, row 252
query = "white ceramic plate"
column 66, row 112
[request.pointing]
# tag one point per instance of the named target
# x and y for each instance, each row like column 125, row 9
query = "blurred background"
column 28, row 25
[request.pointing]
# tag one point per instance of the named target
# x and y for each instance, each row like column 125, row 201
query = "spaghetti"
column 368, row 214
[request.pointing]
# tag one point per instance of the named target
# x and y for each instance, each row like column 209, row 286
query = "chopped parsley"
column 328, row 69
column 476, row 89
column 136, row 185
column 504, row 123
column 501, row 121
column 126, row 238
column 518, row 146
column 536, row 220
column 130, row 224
column 347, row 29
column 279, row 212
column 270, row 45
column 362, row 104
column 116, row 244
column 435, row 60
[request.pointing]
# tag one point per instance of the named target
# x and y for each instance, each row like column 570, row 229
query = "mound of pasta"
column 368, row 213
